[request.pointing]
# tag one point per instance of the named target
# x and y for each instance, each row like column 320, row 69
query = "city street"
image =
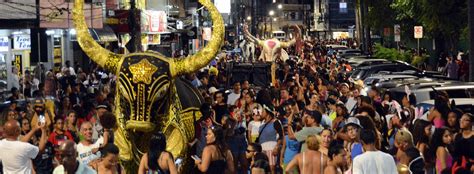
column 236, row 86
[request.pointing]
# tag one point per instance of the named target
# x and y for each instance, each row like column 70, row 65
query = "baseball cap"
column 213, row 90
column 38, row 103
column 269, row 108
column 352, row 121
column 102, row 106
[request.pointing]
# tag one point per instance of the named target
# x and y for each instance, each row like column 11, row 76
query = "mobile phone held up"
column 195, row 157
column 42, row 120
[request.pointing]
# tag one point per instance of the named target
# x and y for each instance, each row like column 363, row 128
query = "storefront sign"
column 21, row 42
column 154, row 39
column 118, row 20
column 17, row 63
column 57, row 56
column 4, row 44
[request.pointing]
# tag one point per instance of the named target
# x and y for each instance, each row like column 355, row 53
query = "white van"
column 280, row 35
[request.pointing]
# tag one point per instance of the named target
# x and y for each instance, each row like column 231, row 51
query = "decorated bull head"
column 146, row 97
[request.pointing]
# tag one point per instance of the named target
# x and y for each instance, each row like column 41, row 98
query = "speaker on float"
column 261, row 75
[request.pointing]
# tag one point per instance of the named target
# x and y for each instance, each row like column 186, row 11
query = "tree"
column 442, row 20
column 471, row 41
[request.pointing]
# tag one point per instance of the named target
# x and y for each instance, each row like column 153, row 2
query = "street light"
column 275, row 19
column 249, row 18
column 280, row 6
column 271, row 13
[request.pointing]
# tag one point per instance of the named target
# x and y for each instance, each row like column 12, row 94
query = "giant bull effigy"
column 149, row 96
column 273, row 49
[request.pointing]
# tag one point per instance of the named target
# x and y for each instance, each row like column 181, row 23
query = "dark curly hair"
column 108, row 120
column 220, row 143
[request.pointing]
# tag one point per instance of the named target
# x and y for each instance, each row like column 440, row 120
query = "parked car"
column 465, row 104
column 377, row 78
column 424, row 91
column 389, row 84
column 348, row 53
column 363, row 72
column 337, row 47
column 362, row 62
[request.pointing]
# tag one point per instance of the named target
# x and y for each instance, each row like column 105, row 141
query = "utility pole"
column 135, row 43
column 471, row 39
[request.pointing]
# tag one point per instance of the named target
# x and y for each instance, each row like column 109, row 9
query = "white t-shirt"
column 232, row 97
column 254, row 127
column 84, row 153
column 16, row 156
column 82, row 169
column 374, row 162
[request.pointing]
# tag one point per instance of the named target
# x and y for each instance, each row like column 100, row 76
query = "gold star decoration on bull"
column 142, row 71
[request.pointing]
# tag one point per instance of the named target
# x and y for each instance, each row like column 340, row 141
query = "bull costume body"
column 273, row 49
column 149, row 95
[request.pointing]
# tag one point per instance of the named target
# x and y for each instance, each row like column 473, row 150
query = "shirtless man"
column 310, row 161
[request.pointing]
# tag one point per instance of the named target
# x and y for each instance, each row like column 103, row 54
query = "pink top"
column 438, row 122
column 449, row 162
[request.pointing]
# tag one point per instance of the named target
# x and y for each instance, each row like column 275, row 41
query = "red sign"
column 118, row 20
column 386, row 31
column 418, row 32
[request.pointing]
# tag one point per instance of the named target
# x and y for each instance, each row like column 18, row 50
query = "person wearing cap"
column 271, row 136
column 98, row 130
column 312, row 119
column 212, row 90
column 352, row 128
column 372, row 160
column 408, row 156
column 40, row 110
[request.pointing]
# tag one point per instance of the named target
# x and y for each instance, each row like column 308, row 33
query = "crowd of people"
column 314, row 120
column 318, row 120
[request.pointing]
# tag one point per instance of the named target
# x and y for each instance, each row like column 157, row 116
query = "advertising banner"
column 155, row 21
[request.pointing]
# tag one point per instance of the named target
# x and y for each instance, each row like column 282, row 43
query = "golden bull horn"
column 203, row 57
column 99, row 55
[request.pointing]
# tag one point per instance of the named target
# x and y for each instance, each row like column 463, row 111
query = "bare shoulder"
column 209, row 148
column 330, row 169
column 167, row 155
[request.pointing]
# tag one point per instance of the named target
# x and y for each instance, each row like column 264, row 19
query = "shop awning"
column 105, row 34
